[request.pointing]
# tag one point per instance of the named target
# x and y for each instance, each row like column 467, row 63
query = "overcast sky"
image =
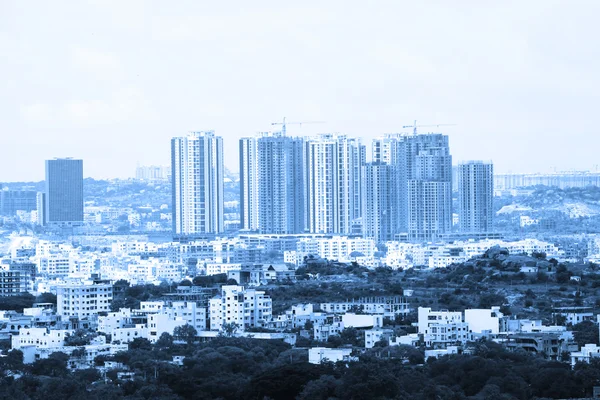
column 112, row 81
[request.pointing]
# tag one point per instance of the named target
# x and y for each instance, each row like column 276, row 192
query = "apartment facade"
column 197, row 184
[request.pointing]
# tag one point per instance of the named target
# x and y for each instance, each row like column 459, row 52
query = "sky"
column 112, row 81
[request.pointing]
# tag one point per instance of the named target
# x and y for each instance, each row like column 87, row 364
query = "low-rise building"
column 84, row 299
column 373, row 336
column 387, row 306
column 446, row 328
column 586, row 353
column 317, row 355
column 242, row 307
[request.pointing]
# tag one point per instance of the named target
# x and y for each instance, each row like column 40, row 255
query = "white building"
column 40, row 337
column 334, row 182
column 337, row 248
column 586, row 353
column 373, row 336
column 445, row 327
column 386, row 306
column 351, row 320
column 243, row 307
column 197, row 180
column 437, row 353
column 84, row 299
column 317, row 355
column 484, row 321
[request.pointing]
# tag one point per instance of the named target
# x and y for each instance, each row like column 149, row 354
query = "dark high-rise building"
column 64, row 191
column 429, row 178
column 334, row 183
column 12, row 201
column 380, row 215
column 475, row 196
column 280, row 184
column 424, row 182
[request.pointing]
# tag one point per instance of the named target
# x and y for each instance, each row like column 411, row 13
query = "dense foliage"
column 235, row 368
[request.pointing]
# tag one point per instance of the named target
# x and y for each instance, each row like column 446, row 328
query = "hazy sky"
column 112, row 81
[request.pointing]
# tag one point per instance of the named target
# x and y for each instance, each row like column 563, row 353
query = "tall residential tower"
column 272, row 183
column 197, row 184
column 334, row 183
column 475, row 196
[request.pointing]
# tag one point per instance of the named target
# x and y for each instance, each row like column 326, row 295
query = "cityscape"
column 162, row 238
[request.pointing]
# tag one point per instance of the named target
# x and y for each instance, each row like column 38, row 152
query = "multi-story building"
column 340, row 248
column 84, row 299
column 424, row 182
column 429, row 182
column 249, row 183
column 11, row 283
column 12, row 201
column 54, row 265
column 153, row 173
column 243, row 307
column 197, row 184
column 562, row 180
column 64, row 192
column 334, row 182
column 475, row 196
column 380, row 215
column 387, row 306
column 280, row 184
column 445, row 328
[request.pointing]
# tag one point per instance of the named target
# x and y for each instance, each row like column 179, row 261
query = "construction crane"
column 285, row 123
column 415, row 126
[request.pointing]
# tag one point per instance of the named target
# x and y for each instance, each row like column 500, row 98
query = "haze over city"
column 111, row 82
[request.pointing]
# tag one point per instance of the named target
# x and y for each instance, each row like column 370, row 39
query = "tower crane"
column 285, row 123
column 415, row 126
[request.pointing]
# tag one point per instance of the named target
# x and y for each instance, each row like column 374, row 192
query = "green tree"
column 230, row 329
column 186, row 332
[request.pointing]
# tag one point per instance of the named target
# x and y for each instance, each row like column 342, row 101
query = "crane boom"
column 415, row 126
column 284, row 123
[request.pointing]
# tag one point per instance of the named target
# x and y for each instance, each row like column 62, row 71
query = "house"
column 445, row 327
column 258, row 275
column 373, row 336
column 437, row 353
column 317, row 355
column 484, row 320
column 586, row 353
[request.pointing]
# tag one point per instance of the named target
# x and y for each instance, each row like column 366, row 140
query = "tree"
column 164, row 341
column 140, row 344
column 46, row 298
column 585, row 332
column 186, row 332
column 229, row 329
column 54, row 365
column 80, row 337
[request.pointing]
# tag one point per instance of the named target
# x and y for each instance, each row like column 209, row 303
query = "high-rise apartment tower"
column 197, row 184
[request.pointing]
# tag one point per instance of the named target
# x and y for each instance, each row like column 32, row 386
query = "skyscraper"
column 380, row 216
column 197, row 184
column 64, row 191
column 272, row 183
column 281, row 184
column 428, row 171
column 249, row 183
column 423, row 170
column 475, row 196
column 333, row 175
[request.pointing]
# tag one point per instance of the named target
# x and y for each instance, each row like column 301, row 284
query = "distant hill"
column 572, row 202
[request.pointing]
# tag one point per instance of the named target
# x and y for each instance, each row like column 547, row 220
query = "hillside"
column 573, row 202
